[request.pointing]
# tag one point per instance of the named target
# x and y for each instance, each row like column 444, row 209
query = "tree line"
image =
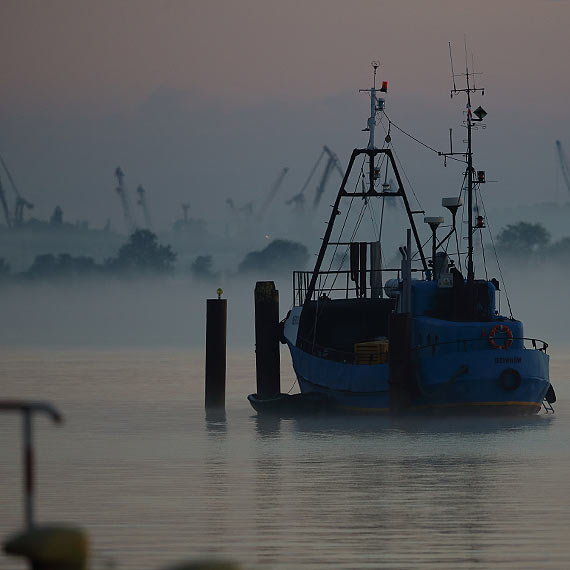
column 143, row 255
column 522, row 238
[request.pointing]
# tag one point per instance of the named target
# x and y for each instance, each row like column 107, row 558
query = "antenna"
column 472, row 118
column 376, row 103
column 375, row 64
column 452, row 72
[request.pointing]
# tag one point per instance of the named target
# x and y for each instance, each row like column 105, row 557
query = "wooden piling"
column 267, row 359
column 216, row 324
column 401, row 372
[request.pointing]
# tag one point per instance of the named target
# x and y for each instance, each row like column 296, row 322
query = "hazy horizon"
column 199, row 102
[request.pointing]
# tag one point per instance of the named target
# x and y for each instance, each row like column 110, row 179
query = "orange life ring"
column 503, row 329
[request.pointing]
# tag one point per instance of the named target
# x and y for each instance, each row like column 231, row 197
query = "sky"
column 199, row 101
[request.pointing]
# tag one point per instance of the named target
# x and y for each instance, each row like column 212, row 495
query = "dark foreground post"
column 27, row 408
column 216, row 313
column 267, row 361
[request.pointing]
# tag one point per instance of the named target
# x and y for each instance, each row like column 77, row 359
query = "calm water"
column 154, row 481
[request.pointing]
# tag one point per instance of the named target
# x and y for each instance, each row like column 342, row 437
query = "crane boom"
column 142, row 203
column 563, row 164
column 272, row 193
column 332, row 163
column 21, row 202
column 5, row 208
column 121, row 191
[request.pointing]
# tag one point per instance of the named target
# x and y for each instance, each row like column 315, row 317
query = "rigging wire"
column 497, row 259
column 419, row 141
column 354, row 232
column 400, row 162
column 341, row 232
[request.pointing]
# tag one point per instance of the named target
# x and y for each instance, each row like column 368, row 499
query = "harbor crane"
column 121, row 191
column 564, row 165
column 5, row 208
column 21, row 202
column 332, row 164
column 142, row 203
column 185, row 208
column 273, row 192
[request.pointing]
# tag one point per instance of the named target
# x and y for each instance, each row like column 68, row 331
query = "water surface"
column 154, row 481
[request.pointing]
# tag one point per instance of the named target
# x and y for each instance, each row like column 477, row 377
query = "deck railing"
column 332, row 283
column 467, row 344
column 462, row 345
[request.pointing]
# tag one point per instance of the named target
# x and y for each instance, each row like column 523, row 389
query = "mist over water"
column 170, row 311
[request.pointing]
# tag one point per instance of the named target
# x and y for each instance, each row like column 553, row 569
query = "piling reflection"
column 216, row 421
column 267, row 425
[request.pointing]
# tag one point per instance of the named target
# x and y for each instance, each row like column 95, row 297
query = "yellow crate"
column 372, row 352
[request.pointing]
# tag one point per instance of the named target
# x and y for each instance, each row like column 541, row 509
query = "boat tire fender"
column 508, row 339
column 510, row 379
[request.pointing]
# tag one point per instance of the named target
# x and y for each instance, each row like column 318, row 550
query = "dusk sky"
column 199, row 101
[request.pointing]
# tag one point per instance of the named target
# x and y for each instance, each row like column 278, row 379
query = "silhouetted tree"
column 64, row 265
column 201, row 268
column 143, row 253
column 523, row 237
column 560, row 248
column 278, row 257
column 57, row 217
column 43, row 266
column 4, row 268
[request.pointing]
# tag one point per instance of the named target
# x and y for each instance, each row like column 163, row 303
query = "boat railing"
column 436, row 348
column 479, row 343
column 342, row 284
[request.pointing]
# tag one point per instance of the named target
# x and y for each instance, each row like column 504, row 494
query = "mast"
column 468, row 155
column 470, row 271
column 376, row 105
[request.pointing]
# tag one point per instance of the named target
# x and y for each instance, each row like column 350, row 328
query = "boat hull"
column 452, row 383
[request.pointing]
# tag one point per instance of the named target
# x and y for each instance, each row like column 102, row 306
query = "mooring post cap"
column 51, row 546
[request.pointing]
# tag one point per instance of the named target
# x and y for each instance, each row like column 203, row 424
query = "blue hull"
column 468, row 380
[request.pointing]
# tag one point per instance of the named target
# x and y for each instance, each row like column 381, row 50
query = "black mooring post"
column 216, row 314
column 267, row 361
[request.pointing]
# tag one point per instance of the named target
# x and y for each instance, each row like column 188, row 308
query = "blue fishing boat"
column 422, row 332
